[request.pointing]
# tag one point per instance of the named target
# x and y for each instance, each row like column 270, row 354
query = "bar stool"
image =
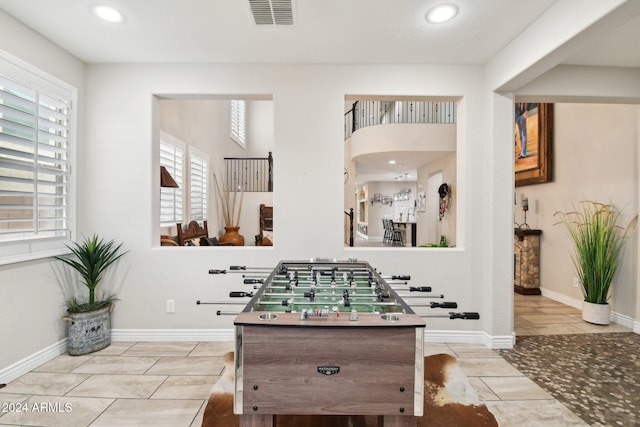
column 396, row 235
column 388, row 232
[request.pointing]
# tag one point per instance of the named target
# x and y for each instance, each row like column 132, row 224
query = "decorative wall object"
column 444, row 193
column 402, row 195
column 533, row 143
column 380, row 198
column 421, row 201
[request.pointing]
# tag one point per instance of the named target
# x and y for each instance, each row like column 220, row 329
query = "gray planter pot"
column 88, row 331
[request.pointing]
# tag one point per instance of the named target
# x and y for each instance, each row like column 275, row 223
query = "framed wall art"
column 533, row 142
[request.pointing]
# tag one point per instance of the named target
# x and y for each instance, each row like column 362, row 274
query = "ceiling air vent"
column 270, row 12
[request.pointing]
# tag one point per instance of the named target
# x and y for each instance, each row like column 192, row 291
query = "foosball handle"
column 401, row 277
column 420, row 288
column 465, row 315
column 237, row 267
column 240, row 294
column 252, row 281
column 217, row 271
column 444, row 305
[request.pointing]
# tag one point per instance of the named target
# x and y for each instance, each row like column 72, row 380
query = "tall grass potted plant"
column 89, row 318
column 598, row 240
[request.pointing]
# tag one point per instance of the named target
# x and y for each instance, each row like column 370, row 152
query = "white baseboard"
column 620, row 319
column 31, row 362
column 430, row 336
column 172, row 335
column 469, row 337
column 572, row 302
column 162, row 335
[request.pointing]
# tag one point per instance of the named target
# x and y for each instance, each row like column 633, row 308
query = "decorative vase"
column 232, row 236
column 88, row 331
column 600, row 314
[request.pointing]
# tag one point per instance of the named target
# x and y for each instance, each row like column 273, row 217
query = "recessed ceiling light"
column 392, row 162
column 108, row 13
column 442, row 13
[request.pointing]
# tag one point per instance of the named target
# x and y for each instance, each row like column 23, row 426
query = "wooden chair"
column 266, row 224
column 193, row 231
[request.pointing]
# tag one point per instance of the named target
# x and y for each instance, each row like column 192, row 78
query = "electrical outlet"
column 171, row 306
column 576, row 282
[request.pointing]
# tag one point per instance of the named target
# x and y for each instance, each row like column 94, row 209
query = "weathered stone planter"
column 600, row 314
column 88, row 331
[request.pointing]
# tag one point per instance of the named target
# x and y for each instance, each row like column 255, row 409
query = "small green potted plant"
column 598, row 240
column 89, row 319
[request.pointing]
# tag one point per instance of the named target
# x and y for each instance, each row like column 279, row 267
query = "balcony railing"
column 371, row 113
column 252, row 174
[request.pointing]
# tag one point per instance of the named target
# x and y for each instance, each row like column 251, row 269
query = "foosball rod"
column 335, row 295
column 415, row 288
column 444, row 304
column 325, row 296
column 421, row 296
column 286, row 303
column 397, row 277
column 452, row 315
column 286, row 292
column 226, row 313
column 220, row 302
column 281, row 278
column 362, row 273
column 239, row 269
column 327, row 287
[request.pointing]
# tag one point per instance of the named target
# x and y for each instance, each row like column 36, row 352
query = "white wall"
column 31, row 303
column 403, row 137
column 447, row 225
column 308, row 124
column 595, row 158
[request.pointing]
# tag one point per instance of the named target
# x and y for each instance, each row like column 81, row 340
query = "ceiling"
column 324, row 31
column 376, row 167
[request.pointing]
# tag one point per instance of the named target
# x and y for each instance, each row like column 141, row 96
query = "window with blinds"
column 198, row 184
column 238, row 121
column 171, row 199
column 35, row 162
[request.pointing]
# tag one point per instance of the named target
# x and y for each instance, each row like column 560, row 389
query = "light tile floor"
column 539, row 315
column 167, row 383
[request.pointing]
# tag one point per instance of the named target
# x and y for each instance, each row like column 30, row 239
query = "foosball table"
column 326, row 337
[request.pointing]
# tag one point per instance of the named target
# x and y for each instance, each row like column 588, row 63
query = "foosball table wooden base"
column 251, row 420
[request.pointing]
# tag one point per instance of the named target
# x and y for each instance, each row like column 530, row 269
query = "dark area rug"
column 597, row 376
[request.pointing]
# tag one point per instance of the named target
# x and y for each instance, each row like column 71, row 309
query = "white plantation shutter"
column 198, row 184
column 238, row 121
column 171, row 199
column 35, row 167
